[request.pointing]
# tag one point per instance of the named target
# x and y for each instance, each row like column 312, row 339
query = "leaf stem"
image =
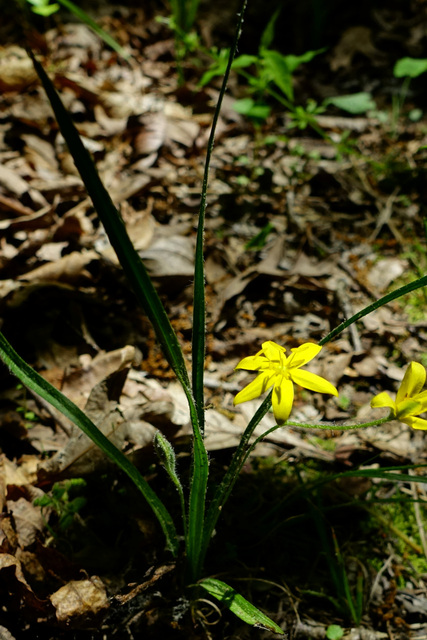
column 197, row 501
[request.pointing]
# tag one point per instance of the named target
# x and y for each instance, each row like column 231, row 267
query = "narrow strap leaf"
column 196, row 509
column 239, row 605
column 117, row 234
column 398, row 293
column 45, row 390
column 95, row 27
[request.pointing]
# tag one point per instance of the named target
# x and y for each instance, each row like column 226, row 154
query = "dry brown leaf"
column 385, row 272
column 11, row 205
column 16, row 69
column 173, row 123
column 110, row 126
column 355, row 40
column 170, row 257
column 68, row 269
column 78, row 384
column 12, row 182
column 383, row 320
column 29, row 220
column 80, row 601
column 14, row 474
column 367, row 367
column 80, row 455
column 28, row 519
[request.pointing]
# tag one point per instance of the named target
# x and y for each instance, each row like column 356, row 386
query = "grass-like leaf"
column 83, row 16
column 200, row 470
column 117, row 234
column 393, row 295
column 239, row 605
column 45, row 390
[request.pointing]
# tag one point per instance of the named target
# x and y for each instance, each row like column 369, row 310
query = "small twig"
column 385, row 216
column 376, row 583
column 345, row 304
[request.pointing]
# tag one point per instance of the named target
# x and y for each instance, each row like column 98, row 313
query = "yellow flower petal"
column 383, row 400
column 303, row 354
column 253, row 363
column 282, row 399
column 408, row 408
column 255, row 388
column 312, row 381
column 416, row 423
column 272, row 350
column 413, row 381
column 421, row 398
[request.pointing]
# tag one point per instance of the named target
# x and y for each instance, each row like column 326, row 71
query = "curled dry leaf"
column 16, row 69
column 170, row 257
column 15, row 588
column 68, row 269
column 80, row 601
column 78, row 384
column 28, row 521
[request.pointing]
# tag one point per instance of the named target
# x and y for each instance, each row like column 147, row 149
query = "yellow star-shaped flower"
column 410, row 400
column 280, row 372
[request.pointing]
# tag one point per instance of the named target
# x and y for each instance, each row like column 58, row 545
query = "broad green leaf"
column 353, row 103
column 239, row 605
column 268, row 33
column 219, row 67
column 45, row 10
column 293, row 62
column 243, row 61
column 251, row 109
column 410, row 67
column 334, row 632
column 277, row 70
column 45, row 390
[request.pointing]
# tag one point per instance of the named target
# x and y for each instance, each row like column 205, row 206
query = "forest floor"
column 304, row 228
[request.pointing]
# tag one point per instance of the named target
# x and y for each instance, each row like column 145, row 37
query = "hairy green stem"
column 245, row 449
column 197, row 502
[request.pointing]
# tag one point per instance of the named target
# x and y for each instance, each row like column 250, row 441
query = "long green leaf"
column 45, row 390
column 117, row 234
column 239, row 605
column 398, row 293
column 83, row 16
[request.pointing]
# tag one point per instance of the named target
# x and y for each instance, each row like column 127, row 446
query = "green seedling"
column 61, row 501
column 406, row 68
column 334, row 632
